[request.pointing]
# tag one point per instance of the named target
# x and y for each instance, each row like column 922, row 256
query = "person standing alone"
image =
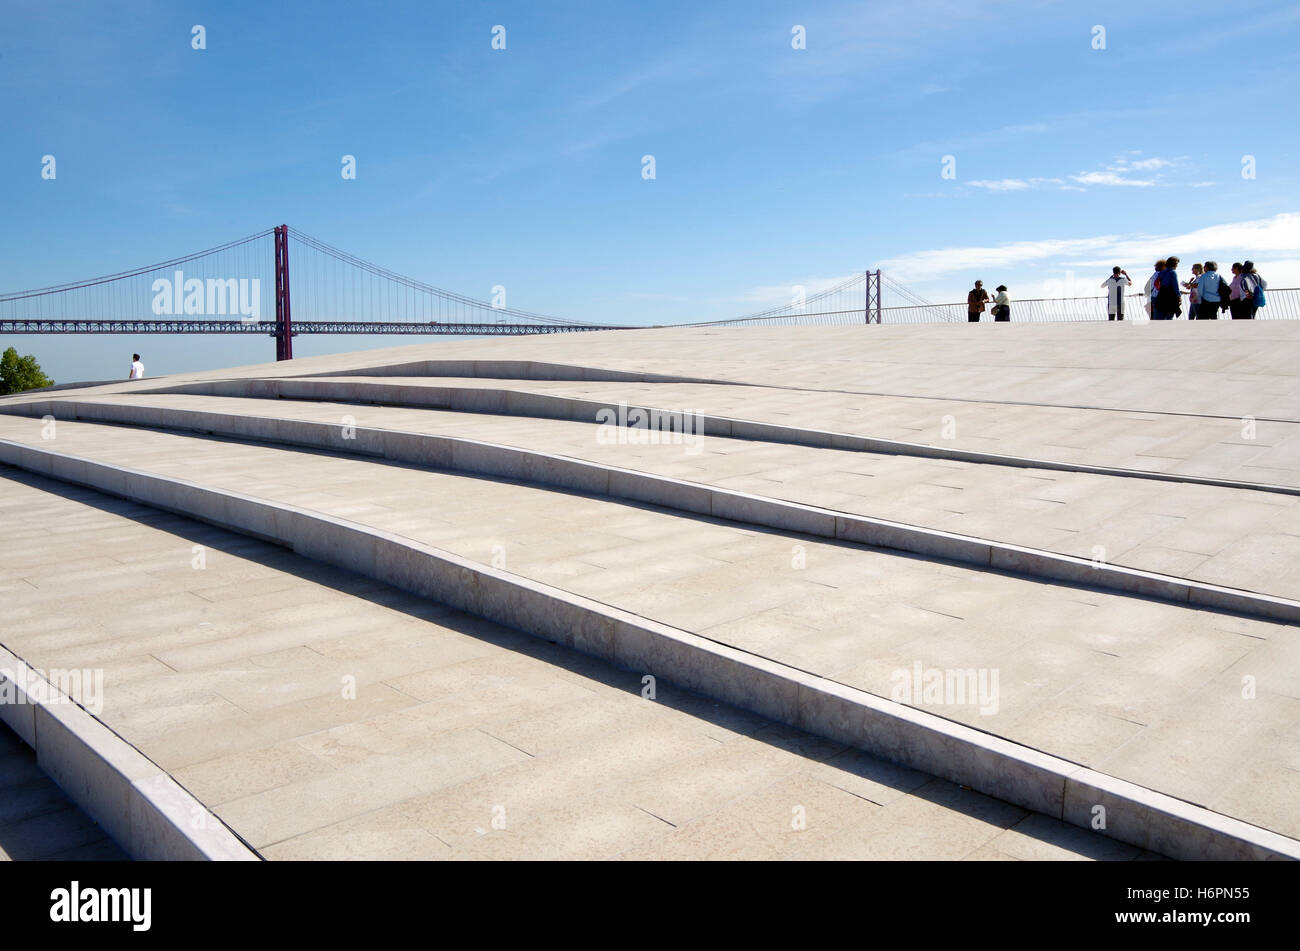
column 137, row 368
column 1115, row 285
column 975, row 302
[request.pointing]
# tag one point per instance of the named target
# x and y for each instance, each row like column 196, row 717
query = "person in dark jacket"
column 975, row 302
column 1150, row 289
column 1169, row 298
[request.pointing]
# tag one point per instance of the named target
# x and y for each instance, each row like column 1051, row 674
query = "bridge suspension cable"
column 135, row 272
column 450, row 298
column 869, row 297
column 243, row 287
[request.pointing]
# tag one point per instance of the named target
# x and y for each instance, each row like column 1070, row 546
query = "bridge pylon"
column 283, row 316
column 871, row 307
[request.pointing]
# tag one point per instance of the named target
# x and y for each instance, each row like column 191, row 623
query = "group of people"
column 1208, row 293
column 979, row 298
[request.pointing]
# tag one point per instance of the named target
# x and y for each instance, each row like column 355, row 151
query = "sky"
column 1028, row 143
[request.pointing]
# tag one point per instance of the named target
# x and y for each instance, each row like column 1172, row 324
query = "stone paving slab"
column 1194, row 703
column 1250, row 447
column 1231, row 537
column 464, row 740
column 862, row 616
column 1218, row 368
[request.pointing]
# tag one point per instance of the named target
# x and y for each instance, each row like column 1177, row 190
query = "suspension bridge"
column 244, row 287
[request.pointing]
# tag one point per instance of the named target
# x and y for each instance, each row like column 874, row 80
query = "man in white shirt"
column 137, row 368
column 1115, row 285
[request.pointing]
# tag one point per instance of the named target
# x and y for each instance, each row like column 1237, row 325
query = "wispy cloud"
column 1043, row 267
column 1141, row 165
column 1280, row 233
column 1013, row 184
column 1111, row 178
column 1001, row 185
column 1115, row 174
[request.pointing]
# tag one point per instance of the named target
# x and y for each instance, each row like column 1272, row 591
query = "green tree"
column 20, row 373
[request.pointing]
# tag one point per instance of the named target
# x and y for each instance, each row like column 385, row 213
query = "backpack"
column 1259, row 290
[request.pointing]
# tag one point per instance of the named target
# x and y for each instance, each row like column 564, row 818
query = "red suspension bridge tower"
column 283, row 316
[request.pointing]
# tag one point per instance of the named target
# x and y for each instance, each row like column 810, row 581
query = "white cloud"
column 1281, row 233
column 1074, row 267
column 1148, row 164
column 1110, row 178
column 1114, row 174
column 1016, row 184
column 1001, row 185
column 923, row 265
column 1255, row 239
column 1123, row 164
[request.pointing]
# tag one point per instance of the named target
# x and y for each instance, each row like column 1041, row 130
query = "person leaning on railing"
column 975, row 301
column 1002, row 305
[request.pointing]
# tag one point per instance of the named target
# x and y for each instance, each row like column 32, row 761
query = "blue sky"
column 522, row 167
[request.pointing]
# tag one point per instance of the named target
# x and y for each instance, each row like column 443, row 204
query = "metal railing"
column 1282, row 304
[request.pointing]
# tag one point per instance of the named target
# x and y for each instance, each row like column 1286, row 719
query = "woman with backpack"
column 1241, row 307
column 1253, row 287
